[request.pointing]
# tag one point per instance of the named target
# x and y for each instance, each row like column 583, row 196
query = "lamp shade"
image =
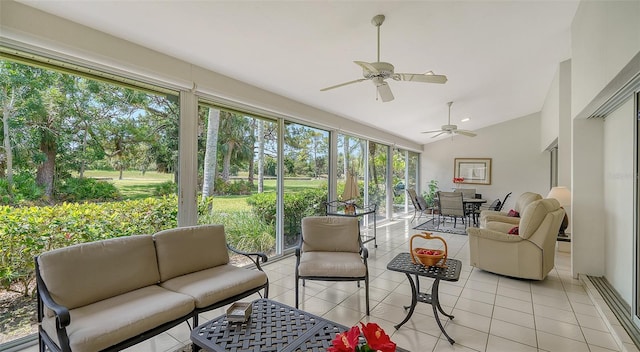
column 561, row 194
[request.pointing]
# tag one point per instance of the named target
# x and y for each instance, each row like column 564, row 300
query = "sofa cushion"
column 216, row 284
column 85, row 273
column 513, row 231
column 513, row 213
column 333, row 233
column 185, row 250
column 339, row 264
column 102, row 324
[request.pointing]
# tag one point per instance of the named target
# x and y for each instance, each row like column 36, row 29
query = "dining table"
column 471, row 206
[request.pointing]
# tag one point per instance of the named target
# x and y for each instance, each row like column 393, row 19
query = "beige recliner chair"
column 491, row 215
column 529, row 254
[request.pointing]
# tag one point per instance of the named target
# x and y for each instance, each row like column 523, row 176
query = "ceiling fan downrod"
column 377, row 21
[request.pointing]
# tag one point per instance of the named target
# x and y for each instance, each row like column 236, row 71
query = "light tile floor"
column 492, row 312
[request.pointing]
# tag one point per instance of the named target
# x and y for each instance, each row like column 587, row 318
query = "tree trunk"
column 252, row 159
column 6, row 116
column 83, row 162
column 345, row 161
column 260, row 156
column 226, row 162
column 46, row 170
column 210, row 153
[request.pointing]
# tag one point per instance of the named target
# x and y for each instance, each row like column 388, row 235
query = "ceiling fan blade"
column 441, row 133
column 465, row 133
column 434, row 131
column 385, row 92
column 419, row 77
column 366, row 66
column 343, row 84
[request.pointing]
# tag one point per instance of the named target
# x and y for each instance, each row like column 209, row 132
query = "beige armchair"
column 491, row 215
column 529, row 254
column 331, row 249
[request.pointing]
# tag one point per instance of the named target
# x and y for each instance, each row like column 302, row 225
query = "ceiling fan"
column 450, row 129
column 378, row 72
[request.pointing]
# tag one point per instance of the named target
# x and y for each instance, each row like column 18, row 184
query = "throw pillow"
column 513, row 213
column 514, row 231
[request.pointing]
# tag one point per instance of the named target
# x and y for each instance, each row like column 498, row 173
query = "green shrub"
column 237, row 187
column 86, row 189
column 244, row 230
column 28, row 231
column 296, row 206
column 24, row 188
column 165, row 188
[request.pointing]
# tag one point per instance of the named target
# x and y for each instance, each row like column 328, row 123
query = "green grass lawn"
column 135, row 185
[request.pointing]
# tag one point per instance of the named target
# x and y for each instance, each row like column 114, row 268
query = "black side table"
column 402, row 263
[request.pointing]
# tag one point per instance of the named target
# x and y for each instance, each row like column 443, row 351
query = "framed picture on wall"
column 473, row 170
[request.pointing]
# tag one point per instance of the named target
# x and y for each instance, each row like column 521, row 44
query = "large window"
column 82, row 160
column 377, row 188
column 351, row 153
column 306, row 171
column 237, row 158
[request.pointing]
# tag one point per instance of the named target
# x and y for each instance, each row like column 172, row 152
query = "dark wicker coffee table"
column 273, row 327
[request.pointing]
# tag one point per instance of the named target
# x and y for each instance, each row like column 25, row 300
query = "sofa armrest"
column 63, row 318
column 493, row 235
column 259, row 257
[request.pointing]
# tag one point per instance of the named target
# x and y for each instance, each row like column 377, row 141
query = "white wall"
column 618, row 198
column 518, row 164
column 587, row 207
column 550, row 114
column 605, row 36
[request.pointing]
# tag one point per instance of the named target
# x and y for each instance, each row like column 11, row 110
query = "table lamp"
column 350, row 194
column 563, row 196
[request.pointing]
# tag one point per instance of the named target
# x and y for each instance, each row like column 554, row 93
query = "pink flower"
column 346, row 341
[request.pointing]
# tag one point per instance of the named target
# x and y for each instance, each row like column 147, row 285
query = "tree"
column 211, row 152
column 235, row 143
column 261, row 144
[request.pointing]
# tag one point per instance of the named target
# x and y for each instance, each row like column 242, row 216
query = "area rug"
column 446, row 227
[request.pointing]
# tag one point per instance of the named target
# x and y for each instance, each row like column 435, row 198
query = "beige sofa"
column 111, row 294
column 491, row 215
column 529, row 254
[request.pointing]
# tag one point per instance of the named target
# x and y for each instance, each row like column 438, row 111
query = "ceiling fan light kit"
column 378, row 72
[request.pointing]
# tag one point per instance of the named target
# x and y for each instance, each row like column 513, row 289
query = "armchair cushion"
column 513, row 213
column 334, row 264
column 330, row 234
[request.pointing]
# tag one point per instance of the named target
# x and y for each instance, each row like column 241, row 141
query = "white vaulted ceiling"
column 499, row 56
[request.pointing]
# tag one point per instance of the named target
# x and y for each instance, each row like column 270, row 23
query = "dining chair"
column 451, row 205
column 418, row 207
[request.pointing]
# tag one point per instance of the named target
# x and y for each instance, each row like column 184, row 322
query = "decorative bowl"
column 426, row 256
